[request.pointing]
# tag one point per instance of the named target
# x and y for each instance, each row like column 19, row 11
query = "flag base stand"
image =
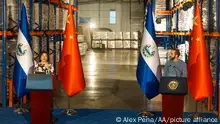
column 21, row 110
column 54, row 118
column 69, row 111
column 196, row 114
column 145, row 114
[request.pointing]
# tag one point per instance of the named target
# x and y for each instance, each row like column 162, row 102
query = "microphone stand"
column 178, row 70
column 167, row 69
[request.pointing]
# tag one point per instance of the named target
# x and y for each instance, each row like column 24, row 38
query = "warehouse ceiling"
column 108, row 1
column 161, row 4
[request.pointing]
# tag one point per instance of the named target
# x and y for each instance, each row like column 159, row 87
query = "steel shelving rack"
column 55, row 34
column 178, row 37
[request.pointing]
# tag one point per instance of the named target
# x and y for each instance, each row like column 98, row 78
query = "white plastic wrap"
column 35, row 15
column 163, row 61
column 103, row 35
column 118, row 35
column 45, row 17
column 161, row 26
column 126, row 44
column 81, row 38
column 126, row 35
column 134, row 44
column 111, row 44
column 134, row 35
column 163, row 53
column 12, row 13
column 96, row 43
column 160, row 4
column 182, row 48
column 61, row 16
column 96, row 35
column 35, row 41
column 118, row 44
column 111, row 35
column 52, row 18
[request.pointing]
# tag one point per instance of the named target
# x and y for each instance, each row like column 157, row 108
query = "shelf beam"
column 61, row 4
column 211, row 34
column 38, row 33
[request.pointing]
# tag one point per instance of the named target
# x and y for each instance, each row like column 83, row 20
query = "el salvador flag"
column 24, row 56
column 148, row 69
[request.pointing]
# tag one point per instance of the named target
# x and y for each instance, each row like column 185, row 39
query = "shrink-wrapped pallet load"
column 118, row 44
column 111, row 35
column 126, row 44
column 118, row 35
column 111, row 44
column 103, row 35
column 126, row 35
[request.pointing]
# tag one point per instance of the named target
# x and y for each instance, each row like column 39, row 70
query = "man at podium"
column 174, row 68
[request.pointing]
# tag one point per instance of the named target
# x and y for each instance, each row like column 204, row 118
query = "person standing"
column 44, row 66
column 174, row 68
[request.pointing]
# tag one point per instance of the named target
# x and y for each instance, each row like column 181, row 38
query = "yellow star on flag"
column 197, row 39
column 70, row 37
column 194, row 20
column 67, row 20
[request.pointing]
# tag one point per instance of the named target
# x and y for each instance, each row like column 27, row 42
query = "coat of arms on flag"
column 21, row 49
column 148, row 51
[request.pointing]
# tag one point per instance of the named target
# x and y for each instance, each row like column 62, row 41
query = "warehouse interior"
column 109, row 35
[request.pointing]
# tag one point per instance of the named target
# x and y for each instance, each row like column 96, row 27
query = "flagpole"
column 196, row 114
column 21, row 109
column 145, row 112
column 69, row 111
column 70, row 62
column 197, row 85
column 53, row 118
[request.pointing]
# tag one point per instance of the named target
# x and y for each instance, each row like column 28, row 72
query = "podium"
column 40, row 87
column 173, row 90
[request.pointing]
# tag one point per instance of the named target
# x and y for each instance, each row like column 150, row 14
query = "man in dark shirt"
column 175, row 67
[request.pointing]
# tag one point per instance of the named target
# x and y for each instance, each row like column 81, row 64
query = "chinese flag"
column 70, row 66
column 199, row 74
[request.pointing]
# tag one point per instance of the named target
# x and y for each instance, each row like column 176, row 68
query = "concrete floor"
column 111, row 84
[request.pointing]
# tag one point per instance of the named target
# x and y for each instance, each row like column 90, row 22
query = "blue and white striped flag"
column 148, row 69
column 24, row 56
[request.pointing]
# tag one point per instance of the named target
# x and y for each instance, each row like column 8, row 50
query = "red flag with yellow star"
column 70, row 66
column 199, row 73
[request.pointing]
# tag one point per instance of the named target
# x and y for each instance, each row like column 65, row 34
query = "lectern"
column 40, row 87
column 173, row 90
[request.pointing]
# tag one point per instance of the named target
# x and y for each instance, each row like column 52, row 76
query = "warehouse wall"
column 99, row 14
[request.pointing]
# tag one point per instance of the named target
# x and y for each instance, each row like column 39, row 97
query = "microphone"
column 178, row 70
column 166, row 69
